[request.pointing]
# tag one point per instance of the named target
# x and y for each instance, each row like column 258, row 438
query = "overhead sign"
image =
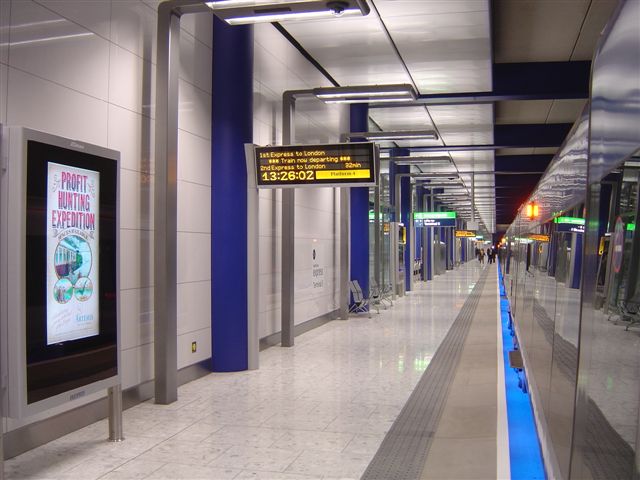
column 539, row 237
column 337, row 165
column 434, row 219
column 466, row 234
column 569, row 224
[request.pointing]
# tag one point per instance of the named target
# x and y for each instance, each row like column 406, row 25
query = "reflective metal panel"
column 615, row 92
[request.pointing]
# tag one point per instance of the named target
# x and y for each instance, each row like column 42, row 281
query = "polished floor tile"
column 317, row 410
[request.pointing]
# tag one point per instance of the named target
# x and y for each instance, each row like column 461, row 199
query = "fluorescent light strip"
column 220, row 4
column 371, row 100
column 282, row 17
column 48, row 39
column 404, row 93
column 402, row 137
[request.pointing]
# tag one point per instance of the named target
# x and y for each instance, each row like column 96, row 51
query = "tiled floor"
column 318, row 410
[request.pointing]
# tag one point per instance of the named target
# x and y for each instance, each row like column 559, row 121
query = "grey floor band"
column 403, row 451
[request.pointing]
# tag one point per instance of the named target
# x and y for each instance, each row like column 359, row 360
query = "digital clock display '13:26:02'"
column 345, row 164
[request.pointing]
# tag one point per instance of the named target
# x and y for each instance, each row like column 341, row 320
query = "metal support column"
column 377, row 238
column 345, row 241
column 288, row 231
column 165, row 204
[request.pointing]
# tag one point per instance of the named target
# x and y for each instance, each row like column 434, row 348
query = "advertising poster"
column 73, row 239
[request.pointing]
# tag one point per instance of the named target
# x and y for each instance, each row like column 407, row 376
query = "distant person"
column 482, row 256
column 478, row 254
column 490, row 255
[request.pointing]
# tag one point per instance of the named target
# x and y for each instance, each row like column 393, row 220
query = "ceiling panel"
column 537, row 30
column 355, row 51
column 445, row 52
column 599, row 13
column 464, row 124
column 515, row 151
column 408, row 118
column 545, row 151
column 522, row 111
column 566, row 111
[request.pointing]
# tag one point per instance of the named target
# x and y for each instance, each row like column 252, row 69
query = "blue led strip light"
column 524, row 445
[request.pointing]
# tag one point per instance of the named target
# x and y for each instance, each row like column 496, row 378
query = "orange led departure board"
column 337, row 165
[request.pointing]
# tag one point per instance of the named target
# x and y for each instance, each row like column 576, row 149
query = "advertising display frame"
column 374, row 168
column 13, row 258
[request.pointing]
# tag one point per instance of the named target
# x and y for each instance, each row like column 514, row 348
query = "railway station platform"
column 412, row 392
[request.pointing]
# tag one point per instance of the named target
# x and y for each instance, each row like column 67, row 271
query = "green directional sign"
column 434, row 219
column 433, row 215
column 569, row 220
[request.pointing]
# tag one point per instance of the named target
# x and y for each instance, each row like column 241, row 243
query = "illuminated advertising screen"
column 343, row 164
column 71, row 269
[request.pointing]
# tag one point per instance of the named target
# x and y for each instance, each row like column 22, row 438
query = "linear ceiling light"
column 397, row 135
column 240, row 12
column 426, row 161
column 366, row 94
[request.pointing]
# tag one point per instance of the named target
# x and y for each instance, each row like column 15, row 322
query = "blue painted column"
column 405, row 205
column 232, row 127
column 359, row 208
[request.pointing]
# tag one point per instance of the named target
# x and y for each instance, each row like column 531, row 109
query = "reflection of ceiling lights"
column 239, row 12
column 398, row 135
column 426, row 161
column 366, row 94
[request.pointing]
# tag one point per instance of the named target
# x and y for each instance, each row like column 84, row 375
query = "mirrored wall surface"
column 606, row 437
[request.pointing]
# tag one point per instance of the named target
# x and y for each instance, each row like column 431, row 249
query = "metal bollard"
column 115, row 414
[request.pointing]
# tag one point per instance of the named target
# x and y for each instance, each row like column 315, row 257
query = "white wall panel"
column 195, row 62
column 93, row 15
column 58, row 50
column 46, row 106
column 134, row 27
column 131, row 82
column 133, row 135
column 194, row 257
column 136, row 320
column 137, row 365
column 136, row 259
column 193, row 214
column 4, row 78
column 203, row 347
column 194, row 111
column 194, row 306
column 270, row 289
column 136, row 196
column 5, row 21
column 194, row 153
column 199, row 26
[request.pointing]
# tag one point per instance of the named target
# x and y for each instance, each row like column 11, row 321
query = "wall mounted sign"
column 332, row 165
column 466, row 234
